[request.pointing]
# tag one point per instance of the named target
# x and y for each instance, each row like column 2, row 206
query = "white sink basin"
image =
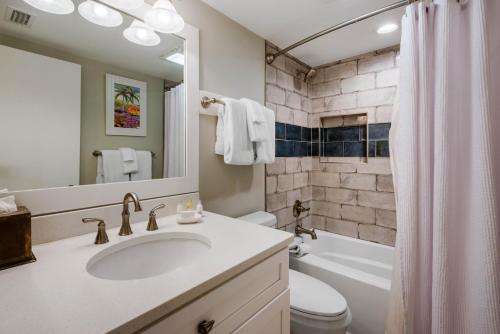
column 148, row 256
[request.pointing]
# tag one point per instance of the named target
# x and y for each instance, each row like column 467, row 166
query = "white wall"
column 40, row 146
column 231, row 64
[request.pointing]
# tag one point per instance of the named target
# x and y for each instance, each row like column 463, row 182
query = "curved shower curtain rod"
column 271, row 57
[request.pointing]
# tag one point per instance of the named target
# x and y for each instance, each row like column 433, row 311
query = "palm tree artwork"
column 127, row 106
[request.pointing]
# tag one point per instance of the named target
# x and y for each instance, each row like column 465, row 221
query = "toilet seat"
column 314, row 299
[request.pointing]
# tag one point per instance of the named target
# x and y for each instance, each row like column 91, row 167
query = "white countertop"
column 56, row 294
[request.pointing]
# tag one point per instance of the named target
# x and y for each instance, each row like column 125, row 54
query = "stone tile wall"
column 346, row 194
column 288, row 178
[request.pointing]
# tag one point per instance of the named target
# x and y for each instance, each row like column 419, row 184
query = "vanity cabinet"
column 255, row 301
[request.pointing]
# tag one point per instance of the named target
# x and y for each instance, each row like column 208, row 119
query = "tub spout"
column 299, row 230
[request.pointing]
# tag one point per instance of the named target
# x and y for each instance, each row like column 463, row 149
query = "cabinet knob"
column 205, row 326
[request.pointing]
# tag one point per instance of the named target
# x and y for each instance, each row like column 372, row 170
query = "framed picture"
column 126, row 106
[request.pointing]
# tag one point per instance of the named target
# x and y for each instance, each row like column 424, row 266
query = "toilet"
column 315, row 307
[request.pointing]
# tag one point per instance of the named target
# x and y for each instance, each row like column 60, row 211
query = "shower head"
column 306, row 76
column 310, row 74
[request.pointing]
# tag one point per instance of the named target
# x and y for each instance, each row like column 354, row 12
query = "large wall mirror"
column 82, row 104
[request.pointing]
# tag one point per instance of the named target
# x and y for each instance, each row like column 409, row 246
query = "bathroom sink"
column 148, row 256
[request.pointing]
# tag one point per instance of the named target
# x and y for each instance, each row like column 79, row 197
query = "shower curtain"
column 175, row 139
column 445, row 145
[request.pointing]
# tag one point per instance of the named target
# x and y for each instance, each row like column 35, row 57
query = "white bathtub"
column 359, row 270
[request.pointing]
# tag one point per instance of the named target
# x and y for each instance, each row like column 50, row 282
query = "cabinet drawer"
column 273, row 318
column 256, row 287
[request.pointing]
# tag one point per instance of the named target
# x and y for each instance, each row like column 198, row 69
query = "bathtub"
column 358, row 269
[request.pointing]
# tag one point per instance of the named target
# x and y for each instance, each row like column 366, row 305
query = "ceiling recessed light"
column 53, row 6
column 175, row 57
column 100, row 14
column 387, row 28
column 142, row 34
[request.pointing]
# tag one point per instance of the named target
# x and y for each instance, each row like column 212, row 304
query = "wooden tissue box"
column 15, row 238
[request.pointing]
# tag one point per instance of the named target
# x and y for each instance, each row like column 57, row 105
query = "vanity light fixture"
column 100, row 14
column 142, row 34
column 387, row 28
column 164, row 18
column 59, row 7
column 125, row 4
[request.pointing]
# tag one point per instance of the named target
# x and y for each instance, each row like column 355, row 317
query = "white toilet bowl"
column 315, row 307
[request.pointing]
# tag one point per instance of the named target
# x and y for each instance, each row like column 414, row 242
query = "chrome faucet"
column 125, row 229
column 299, row 230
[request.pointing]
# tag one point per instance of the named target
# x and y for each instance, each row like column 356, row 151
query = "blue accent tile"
column 284, row 148
column 372, row 148
column 348, row 133
column 280, row 130
column 322, row 134
column 313, row 149
column 362, row 133
column 383, row 148
column 334, row 149
column 354, row 149
column 293, row 132
column 379, row 131
column 300, row 149
column 306, row 134
column 314, row 134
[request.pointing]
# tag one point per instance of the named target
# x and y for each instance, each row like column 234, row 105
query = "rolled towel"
column 8, row 204
column 300, row 250
column 296, row 241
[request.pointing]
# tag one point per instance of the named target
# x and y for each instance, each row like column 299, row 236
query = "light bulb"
column 141, row 34
column 387, row 28
column 60, row 7
column 100, row 10
column 100, row 14
column 164, row 18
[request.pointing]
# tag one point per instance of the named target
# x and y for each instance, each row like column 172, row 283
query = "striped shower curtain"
column 445, row 143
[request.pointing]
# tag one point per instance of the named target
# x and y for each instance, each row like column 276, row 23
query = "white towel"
column 300, row 250
column 256, row 120
column 219, row 132
column 238, row 149
column 296, row 241
column 145, row 163
column 266, row 148
column 109, row 167
column 8, row 203
column 129, row 160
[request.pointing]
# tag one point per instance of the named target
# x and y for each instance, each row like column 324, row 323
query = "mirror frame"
column 54, row 200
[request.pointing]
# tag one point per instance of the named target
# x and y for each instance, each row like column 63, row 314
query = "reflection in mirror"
column 82, row 104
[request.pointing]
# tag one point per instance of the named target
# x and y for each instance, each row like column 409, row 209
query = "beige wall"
column 231, row 64
column 93, row 124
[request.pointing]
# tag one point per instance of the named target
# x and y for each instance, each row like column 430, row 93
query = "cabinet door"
column 231, row 304
column 272, row 319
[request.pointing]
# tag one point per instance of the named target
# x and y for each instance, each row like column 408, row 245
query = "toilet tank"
column 261, row 218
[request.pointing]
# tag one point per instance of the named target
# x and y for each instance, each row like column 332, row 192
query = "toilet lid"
column 312, row 296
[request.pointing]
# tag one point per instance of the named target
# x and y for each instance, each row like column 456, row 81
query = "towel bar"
column 98, row 153
column 207, row 101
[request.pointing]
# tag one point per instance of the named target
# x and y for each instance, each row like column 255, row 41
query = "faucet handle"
column 102, row 236
column 298, row 208
column 152, row 225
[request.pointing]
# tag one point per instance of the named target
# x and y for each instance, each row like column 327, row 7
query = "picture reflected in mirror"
column 82, row 104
